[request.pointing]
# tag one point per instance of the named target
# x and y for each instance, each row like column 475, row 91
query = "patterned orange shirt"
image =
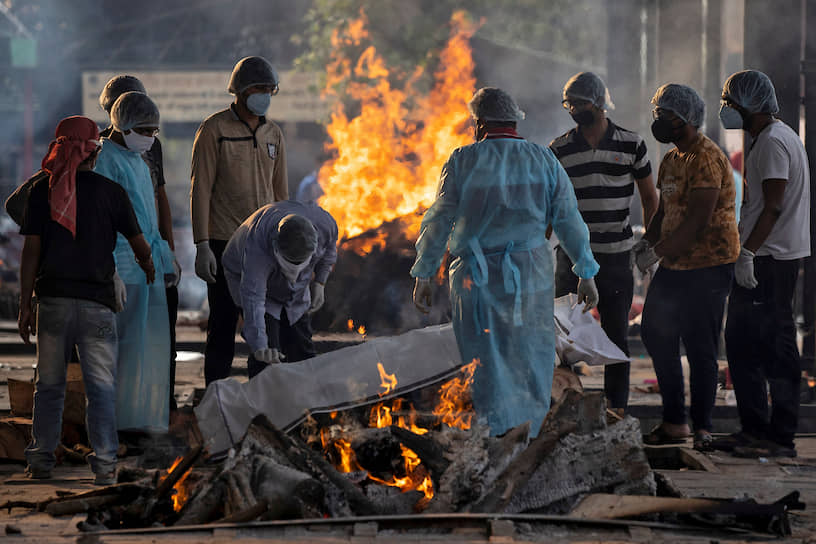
column 703, row 166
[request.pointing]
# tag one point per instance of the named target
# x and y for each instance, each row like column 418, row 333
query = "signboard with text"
column 192, row 96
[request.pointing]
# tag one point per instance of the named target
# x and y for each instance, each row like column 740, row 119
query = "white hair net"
column 492, row 104
column 752, row 90
column 132, row 110
column 588, row 86
column 115, row 87
column 683, row 101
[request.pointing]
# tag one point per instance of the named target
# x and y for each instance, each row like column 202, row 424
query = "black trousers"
column 760, row 339
column 293, row 340
column 686, row 305
column 172, row 311
column 220, row 349
column 615, row 285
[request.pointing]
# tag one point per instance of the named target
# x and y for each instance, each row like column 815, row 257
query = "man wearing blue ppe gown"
column 494, row 202
column 276, row 265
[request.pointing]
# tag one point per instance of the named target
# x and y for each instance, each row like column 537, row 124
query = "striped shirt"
column 604, row 182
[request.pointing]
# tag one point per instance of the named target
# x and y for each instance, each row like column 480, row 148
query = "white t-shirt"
column 778, row 153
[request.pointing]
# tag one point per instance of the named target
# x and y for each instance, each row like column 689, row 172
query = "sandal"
column 660, row 437
column 703, row 441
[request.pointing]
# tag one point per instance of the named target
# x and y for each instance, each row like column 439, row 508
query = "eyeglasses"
column 574, row 103
column 658, row 113
column 146, row 131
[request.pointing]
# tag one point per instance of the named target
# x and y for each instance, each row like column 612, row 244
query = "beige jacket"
column 234, row 172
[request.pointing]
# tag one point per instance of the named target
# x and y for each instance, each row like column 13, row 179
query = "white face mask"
column 730, row 117
column 138, row 143
column 291, row 270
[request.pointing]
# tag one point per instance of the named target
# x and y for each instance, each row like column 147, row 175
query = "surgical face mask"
column 730, row 117
column 258, row 103
column 665, row 132
column 291, row 271
column 583, row 118
column 138, row 143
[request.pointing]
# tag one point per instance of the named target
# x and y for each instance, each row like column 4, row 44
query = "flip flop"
column 659, row 437
column 703, row 441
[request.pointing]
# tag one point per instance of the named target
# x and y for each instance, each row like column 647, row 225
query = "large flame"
column 181, row 492
column 454, row 407
column 388, row 157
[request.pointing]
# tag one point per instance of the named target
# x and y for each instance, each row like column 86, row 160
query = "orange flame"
column 386, row 162
column 453, row 407
column 182, row 494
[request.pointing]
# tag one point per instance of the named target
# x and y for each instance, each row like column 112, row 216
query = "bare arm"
column 653, row 227
column 700, row 208
column 648, row 197
column 165, row 217
column 29, row 262
column 773, row 192
column 143, row 256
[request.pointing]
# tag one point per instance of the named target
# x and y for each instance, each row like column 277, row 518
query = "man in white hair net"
column 276, row 265
column 494, row 202
column 143, row 364
column 694, row 236
column 239, row 165
column 604, row 163
column 774, row 229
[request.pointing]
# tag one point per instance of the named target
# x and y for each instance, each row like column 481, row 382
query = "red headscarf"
column 77, row 137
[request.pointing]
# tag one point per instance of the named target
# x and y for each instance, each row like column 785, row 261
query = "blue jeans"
column 61, row 323
column 686, row 305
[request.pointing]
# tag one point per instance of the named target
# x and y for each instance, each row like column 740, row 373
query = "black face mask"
column 665, row 132
column 583, row 118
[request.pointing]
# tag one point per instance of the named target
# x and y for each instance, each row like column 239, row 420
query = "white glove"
column 587, row 293
column 172, row 280
column 119, row 291
column 205, row 264
column 744, row 269
column 422, row 295
column 318, row 296
column 267, row 355
column 645, row 257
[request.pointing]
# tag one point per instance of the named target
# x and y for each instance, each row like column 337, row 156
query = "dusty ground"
column 730, row 477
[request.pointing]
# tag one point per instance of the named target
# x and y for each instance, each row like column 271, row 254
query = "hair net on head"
column 492, row 104
column 251, row 71
column 683, row 101
column 133, row 110
column 752, row 90
column 116, row 87
column 297, row 238
column 588, row 86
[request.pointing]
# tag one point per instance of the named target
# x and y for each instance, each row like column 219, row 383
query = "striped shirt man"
column 604, row 181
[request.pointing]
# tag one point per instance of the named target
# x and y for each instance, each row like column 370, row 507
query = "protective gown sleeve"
column 568, row 224
column 257, row 263
column 437, row 224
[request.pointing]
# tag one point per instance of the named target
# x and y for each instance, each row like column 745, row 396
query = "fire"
column 453, row 406
column 182, row 493
column 388, row 157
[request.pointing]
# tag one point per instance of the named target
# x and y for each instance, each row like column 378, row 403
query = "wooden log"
column 75, row 506
column 503, row 449
column 588, row 410
column 81, row 502
column 250, row 514
column 564, row 379
column 607, row 506
column 377, row 451
column 431, row 453
column 15, row 434
column 171, row 479
column 205, row 505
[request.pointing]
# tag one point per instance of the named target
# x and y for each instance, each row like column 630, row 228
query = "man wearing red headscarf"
column 70, row 228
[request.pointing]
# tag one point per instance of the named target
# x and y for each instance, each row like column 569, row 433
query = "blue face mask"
column 730, row 117
column 258, row 103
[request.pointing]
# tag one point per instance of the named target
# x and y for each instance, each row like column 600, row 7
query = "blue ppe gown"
column 143, row 363
column 494, row 202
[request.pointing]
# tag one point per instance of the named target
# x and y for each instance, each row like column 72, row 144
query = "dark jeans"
column 760, row 339
column 615, row 285
column 294, row 341
column 220, row 349
column 172, row 313
column 686, row 305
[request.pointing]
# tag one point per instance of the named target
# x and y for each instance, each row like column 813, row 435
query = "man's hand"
column 422, row 295
column 587, row 293
column 206, row 266
column 119, row 291
column 267, row 355
column 25, row 321
column 744, row 269
column 645, row 256
column 318, row 296
column 147, row 267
